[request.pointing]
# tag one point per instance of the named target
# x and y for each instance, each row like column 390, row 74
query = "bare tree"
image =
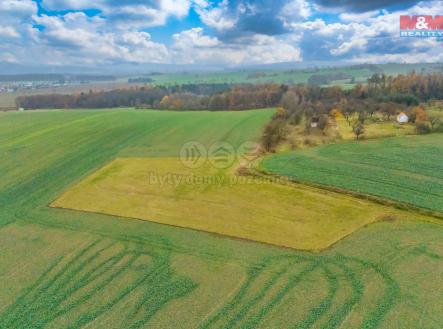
column 358, row 128
column 323, row 123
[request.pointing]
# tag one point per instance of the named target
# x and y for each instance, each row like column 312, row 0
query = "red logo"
column 421, row 26
column 421, row 22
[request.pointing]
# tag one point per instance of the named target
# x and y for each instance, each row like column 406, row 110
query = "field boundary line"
column 216, row 234
column 259, row 172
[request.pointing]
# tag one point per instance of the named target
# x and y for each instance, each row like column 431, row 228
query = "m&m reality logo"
column 421, row 26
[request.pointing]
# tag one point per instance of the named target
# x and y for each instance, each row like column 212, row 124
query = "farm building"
column 314, row 122
column 402, row 118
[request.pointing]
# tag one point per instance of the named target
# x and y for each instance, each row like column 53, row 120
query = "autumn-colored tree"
column 336, row 113
column 281, row 113
column 420, row 114
column 164, row 103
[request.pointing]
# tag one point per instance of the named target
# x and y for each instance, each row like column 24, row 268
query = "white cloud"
column 138, row 47
column 239, row 33
column 86, row 38
column 17, row 10
column 193, row 47
column 368, row 35
column 8, row 57
column 177, row 8
column 358, row 17
column 195, row 38
column 15, row 20
column 218, row 17
column 72, row 30
column 130, row 13
column 384, row 27
column 72, row 4
column 15, row 26
column 8, row 32
column 295, row 9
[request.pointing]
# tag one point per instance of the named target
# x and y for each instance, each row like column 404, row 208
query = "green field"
column 293, row 76
column 70, row 269
column 407, row 169
column 260, row 77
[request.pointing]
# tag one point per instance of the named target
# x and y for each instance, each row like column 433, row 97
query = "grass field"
column 293, row 76
column 340, row 130
column 70, row 269
column 260, row 77
column 375, row 129
column 213, row 200
column 435, row 113
column 407, row 169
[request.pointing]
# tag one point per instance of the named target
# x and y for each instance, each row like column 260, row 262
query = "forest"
column 378, row 93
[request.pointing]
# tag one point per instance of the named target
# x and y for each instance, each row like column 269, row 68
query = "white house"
column 402, row 118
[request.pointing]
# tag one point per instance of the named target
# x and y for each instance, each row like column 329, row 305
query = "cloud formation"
column 268, row 17
column 214, row 32
column 194, row 47
column 363, row 6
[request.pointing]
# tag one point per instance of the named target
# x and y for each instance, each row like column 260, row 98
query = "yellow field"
column 162, row 190
column 375, row 129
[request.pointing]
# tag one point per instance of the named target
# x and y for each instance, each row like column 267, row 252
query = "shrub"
column 422, row 128
column 275, row 132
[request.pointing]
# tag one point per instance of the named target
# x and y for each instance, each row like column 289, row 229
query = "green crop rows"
column 406, row 169
column 69, row 284
column 72, row 281
column 69, row 269
column 245, row 312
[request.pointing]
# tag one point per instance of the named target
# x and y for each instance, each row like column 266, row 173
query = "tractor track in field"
column 74, row 280
column 250, row 308
column 82, row 277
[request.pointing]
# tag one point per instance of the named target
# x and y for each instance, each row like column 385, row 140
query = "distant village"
column 12, row 87
column 15, row 83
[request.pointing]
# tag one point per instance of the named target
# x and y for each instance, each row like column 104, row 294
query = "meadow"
column 214, row 200
column 375, row 127
column 339, row 130
column 71, row 269
column 406, row 169
column 260, row 76
column 292, row 76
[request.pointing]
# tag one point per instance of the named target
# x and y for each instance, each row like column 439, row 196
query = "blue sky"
column 205, row 32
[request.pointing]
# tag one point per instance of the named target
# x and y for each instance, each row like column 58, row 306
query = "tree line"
column 379, row 94
column 146, row 96
column 213, row 97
